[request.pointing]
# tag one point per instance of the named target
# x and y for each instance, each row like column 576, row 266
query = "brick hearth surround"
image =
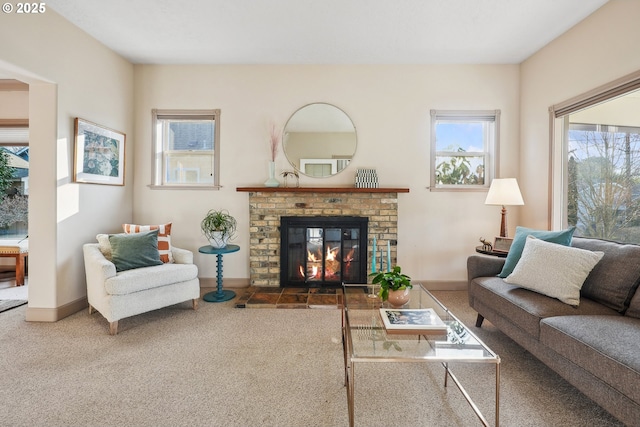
column 267, row 205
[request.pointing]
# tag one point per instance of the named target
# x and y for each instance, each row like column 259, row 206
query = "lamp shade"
column 504, row 191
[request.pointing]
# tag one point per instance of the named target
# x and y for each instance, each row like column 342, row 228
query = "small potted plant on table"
column 219, row 227
column 394, row 286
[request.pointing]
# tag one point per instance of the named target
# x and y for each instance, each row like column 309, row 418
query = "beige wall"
column 14, row 104
column 70, row 75
column 389, row 106
column 600, row 49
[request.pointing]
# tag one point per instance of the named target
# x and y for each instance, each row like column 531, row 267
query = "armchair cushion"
column 129, row 251
column 141, row 279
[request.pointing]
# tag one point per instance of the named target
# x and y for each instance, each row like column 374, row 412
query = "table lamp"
column 504, row 191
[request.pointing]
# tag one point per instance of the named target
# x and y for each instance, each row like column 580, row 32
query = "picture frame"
column 99, row 154
column 502, row 244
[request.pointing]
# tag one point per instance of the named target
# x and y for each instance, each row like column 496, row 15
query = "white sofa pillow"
column 554, row 270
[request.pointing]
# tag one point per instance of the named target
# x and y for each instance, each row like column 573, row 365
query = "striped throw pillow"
column 164, row 238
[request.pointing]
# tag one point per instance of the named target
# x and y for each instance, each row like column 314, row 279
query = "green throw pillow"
column 129, row 251
column 562, row 237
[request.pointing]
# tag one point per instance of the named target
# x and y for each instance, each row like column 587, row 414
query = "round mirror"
column 319, row 140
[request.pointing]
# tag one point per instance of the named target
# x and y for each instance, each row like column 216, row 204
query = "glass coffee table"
column 366, row 339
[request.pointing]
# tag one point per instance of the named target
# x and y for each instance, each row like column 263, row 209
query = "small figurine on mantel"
column 286, row 174
column 486, row 246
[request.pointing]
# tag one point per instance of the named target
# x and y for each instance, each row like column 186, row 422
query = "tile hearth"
column 276, row 297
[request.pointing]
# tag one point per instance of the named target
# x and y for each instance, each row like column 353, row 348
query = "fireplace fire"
column 323, row 251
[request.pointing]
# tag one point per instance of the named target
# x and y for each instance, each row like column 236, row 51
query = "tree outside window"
column 14, row 204
column 603, row 194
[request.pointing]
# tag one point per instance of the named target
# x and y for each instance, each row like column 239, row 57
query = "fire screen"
column 323, row 251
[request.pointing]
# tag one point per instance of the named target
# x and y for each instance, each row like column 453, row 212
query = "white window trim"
column 156, row 158
column 492, row 161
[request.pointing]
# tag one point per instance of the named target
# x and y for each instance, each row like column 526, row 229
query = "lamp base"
column 503, row 223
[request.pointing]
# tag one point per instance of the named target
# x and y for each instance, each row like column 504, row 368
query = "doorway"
column 14, row 189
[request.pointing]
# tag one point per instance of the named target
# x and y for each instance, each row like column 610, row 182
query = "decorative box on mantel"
column 268, row 204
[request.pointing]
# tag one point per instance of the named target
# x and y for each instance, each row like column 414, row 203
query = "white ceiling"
column 325, row 31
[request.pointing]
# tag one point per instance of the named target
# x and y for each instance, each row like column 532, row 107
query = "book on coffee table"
column 412, row 321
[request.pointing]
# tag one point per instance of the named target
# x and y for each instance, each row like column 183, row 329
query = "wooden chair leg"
column 195, row 303
column 20, row 269
column 479, row 320
column 113, row 328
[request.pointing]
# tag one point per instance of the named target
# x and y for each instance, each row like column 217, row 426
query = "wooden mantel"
column 321, row 190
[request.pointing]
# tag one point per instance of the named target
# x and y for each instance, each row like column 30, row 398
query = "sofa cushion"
column 562, row 237
column 526, row 308
column 634, row 306
column 140, row 279
column 129, row 251
column 554, row 270
column 606, row 346
column 164, row 237
column 615, row 279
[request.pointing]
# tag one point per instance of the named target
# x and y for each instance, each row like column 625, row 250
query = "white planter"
column 218, row 240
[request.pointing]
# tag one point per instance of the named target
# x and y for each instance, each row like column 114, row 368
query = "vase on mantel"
column 272, row 181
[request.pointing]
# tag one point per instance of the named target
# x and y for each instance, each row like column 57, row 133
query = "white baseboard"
column 40, row 314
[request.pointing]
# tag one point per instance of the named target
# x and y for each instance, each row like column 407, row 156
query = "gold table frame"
column 360, row 315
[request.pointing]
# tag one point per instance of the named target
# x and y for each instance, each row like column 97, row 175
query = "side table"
column 491, row 252
column 220, row 295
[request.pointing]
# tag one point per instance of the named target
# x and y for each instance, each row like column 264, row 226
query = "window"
column 603, row 198
column 596, row 162
column 463, row 147
column 186, row 147
column 14, row 178
column 14, row 191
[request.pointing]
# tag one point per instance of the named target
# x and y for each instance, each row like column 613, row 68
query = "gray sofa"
column 594, row 346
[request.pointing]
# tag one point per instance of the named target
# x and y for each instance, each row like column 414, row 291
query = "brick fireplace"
column 267, row 206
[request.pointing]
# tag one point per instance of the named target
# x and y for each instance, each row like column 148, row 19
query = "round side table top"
column 219, row 251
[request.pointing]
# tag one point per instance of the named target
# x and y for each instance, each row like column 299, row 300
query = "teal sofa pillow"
column 562, row 237
column 129, row 251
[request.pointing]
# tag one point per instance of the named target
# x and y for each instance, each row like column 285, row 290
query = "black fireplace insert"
column 323, row 251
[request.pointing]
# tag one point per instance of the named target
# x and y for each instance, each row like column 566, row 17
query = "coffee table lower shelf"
column 350, row 385
column 457, row 345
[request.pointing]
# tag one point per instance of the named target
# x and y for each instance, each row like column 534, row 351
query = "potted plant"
column 219, row 227
column 394, row 286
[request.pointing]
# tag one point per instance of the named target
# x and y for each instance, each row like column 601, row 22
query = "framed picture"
column 99, row 154
column 502, row 244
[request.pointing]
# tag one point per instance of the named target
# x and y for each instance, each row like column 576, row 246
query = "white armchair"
column 117, row 295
